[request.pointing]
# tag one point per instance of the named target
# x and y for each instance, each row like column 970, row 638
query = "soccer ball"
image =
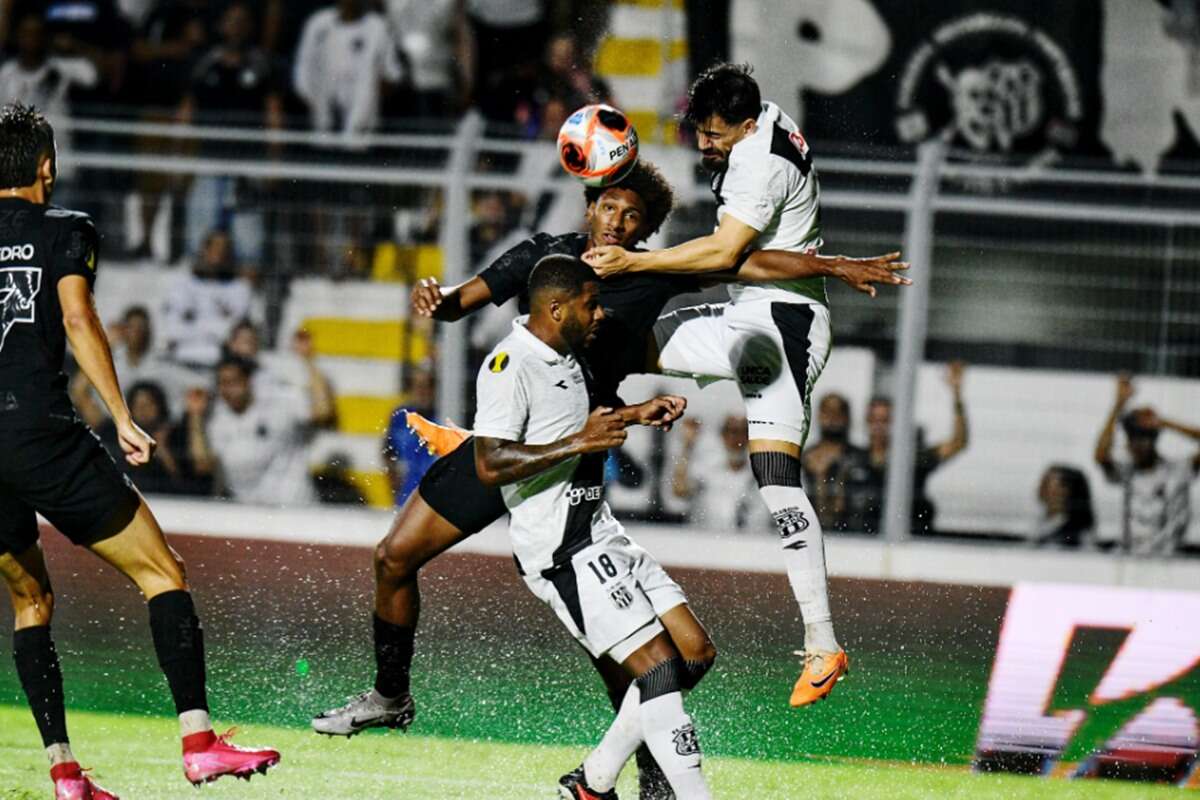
column 598, row 145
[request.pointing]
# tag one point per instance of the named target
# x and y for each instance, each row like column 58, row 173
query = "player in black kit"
column 451, row 503
column 55, row 465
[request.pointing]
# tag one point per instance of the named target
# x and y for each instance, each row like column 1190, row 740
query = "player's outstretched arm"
column 449, row 304
column 499, row 461
column 860, row 274
column 659, row 412
column 718, row 251
column 89, row 343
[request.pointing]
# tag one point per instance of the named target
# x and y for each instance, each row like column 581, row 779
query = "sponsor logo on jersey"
column 791, row 521
column 579, row 494
column 14, row 252
column 993, row 84
column 621, row 596
column 686, row 743
column 498, row 362
column 19, row 287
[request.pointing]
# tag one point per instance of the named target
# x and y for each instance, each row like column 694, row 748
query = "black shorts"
column 66, row 475
column 452, row 488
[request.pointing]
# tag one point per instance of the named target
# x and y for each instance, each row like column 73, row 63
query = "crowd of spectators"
column 347, row 66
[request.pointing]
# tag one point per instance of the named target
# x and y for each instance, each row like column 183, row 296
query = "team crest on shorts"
column 791, row 521
column 686, row 743
column 621, row 596
column 498, row 362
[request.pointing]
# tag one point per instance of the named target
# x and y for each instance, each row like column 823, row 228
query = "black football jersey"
column 39, row 246
column 631, row 302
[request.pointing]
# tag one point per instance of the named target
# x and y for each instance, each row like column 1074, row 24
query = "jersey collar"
column 539, row 348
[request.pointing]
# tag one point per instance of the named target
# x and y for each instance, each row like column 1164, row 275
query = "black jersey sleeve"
column 76, row 249
column 508, row 275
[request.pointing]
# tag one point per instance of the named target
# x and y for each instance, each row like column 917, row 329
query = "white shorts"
column 774, row 350
column 610, row 596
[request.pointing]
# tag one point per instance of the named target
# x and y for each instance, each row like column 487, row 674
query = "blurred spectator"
column 346, row 55
column 564, row 86
column 864, row 472
column 41, row 79
column 1157, row 503
column 201, row 308
column 233, row 84
column 278, row 373
column 404, row 457
column 1067, row 519
column 720, row 488
column 171, row 38
column 494, row 214
column 136, row 361
column 509, row 36
column 183, row 461
column 823, row 462
column 91, row 29
column 432, row 35
column 261, row 445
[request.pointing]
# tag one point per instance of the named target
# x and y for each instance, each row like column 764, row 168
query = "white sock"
column 59, row 754
column 671, row 737
column 603, row 765
column 804, row 555
column 195, row 721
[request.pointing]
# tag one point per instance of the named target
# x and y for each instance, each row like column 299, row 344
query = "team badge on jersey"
column 498, row 362
column 686, row 743
column 19, row 287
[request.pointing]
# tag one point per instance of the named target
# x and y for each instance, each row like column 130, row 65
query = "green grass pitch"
column 137, row 757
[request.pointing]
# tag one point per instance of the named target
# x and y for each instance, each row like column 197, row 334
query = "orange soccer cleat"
column 821, row 672
column 439, row 440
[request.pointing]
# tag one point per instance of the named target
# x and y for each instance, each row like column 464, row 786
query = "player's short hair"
column 560, row 273
column 1134, row 429
column 724, row 90
column 246, row 366
column 648, row 182
column 25, row 139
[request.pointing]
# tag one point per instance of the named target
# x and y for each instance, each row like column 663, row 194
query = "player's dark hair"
column 560, row 273
column 246, row 366
column 1131, row 422
column 724, row 90
column 648, row 182
column 25, row 139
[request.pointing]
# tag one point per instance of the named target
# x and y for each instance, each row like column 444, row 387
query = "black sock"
column 179, row 643
column 393, row 657
column 693, row 671
column 41, row 678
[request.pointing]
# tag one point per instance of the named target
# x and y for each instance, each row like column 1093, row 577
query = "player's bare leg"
column 776, row 466
column 38, row 668
column 141, row 553
column 651, row 712
column 417, row 535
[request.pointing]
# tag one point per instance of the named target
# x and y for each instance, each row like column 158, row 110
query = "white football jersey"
column 771, row 185
column 528, row 392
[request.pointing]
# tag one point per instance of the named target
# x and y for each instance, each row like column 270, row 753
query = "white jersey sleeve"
column 754, row 192
column 502, row 397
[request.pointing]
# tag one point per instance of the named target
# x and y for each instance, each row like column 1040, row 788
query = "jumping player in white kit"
column 773, row 339
column 542, row 434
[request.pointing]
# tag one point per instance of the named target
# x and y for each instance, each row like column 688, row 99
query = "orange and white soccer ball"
column 598, row 145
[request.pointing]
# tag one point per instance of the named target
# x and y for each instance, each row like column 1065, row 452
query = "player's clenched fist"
column 661, row 412
column 426, row 297
column 605, row 429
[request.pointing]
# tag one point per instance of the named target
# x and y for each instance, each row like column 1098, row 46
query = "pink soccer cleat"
column 207, row 757
column 73, row 783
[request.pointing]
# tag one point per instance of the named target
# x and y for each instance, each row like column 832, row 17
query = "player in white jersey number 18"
column 773, row 339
